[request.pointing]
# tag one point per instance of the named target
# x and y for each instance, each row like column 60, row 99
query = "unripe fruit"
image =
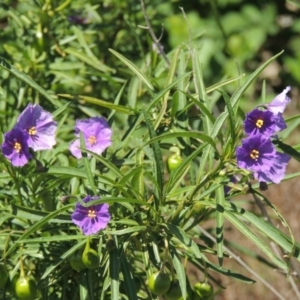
column 3, row 276
column 204, row 290
column 174, row 161
column 174, row 292
column 25, row 288
column 90, row 258
column 76, row 262
column 159, row 283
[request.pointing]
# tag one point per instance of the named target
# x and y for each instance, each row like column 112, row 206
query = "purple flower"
column 91, row 219
column 258, row 155
column 279, row 103
column 40, row 126
column 260, row 122
column 96, row 133
column 15, row 147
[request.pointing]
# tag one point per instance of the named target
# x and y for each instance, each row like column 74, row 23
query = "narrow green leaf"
column 117, row 100
column 200, row 88
column 66, row 171
column 202, row 108
column 169, row 80
column 231, row 118
column 53, row 238
column 106, row 163
column 180, row 271
column 63, row 257
column 269, row 230
column 133, row 68
column 192, row 134
column 222, row 83
column 224, row 271
column 287, row 149
column 179, row 100
column 4, row 64
column 36, row 226
column 60, row 110
column 119, row 108
column 36, row 215
column 180, row 234
column 165, row 90
column 158, row 163
column 259, row 243
column 88, row 60
column 220, row 201
column 127, row 230
column 114, row 265
column 129, row 282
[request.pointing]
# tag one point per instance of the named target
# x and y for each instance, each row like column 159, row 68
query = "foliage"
column 79, row 62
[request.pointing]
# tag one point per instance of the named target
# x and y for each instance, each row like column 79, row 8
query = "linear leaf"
column 259, row 243
column 133, row 68
column 99, row 102
column 131, row 290
column 36, row 215
column 36, row 226
column 191, row 134
column 158, row 163
column 63, row 257
column 180, row 271
column 220, row 201
column 4, row 64
column 269, row 230
column 114, row 265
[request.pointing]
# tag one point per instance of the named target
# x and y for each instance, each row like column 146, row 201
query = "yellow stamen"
column 254, row 154
column 92, row 140
column 32, row 131
column 259, row 123
column 92, row 213
column 17, row 147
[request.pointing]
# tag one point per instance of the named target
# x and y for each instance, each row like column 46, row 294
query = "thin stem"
column 275, row 247
column 158, row 45
column 244, row 265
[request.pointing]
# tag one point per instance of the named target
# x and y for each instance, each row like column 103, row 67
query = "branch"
column 155, row 40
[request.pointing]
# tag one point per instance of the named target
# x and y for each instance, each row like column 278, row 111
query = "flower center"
column 259, row 123
column 17, row 147
column 92, row 213
column 92, row 140
column 254, row 154
column 32, row 131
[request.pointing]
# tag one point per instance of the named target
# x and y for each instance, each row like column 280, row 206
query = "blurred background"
column 63, row 46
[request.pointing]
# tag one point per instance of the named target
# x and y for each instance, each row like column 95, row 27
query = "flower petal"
column 279, row 103
column 91, row 219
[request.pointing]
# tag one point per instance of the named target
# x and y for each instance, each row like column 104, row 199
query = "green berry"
column 159, row 283
column 204, row 290
column 174, row 292
column 25, row 288
column 174, row 161
column 76, row 262
column 90, row 258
